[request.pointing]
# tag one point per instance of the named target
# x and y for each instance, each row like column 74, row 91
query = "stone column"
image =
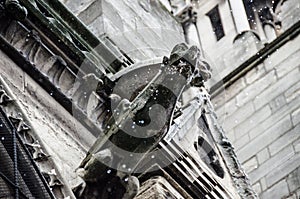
column 239, row 15
column 270, row 32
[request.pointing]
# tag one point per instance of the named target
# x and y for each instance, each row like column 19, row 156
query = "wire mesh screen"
column 19, row 176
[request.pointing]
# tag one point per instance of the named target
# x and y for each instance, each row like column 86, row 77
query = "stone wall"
column 56, row 130
column 142, row 29
column 261, row 115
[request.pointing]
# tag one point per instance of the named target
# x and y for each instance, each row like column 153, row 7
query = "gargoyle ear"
column 165, row 60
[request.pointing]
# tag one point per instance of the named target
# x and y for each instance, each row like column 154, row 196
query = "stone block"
column 255, row 74
column 279, row 189
column 293, row 196
column 257, row 187
column 282, row 169
column 273, row 119
column 241, row 141
column 285, row 140
column 235, row 88
column 89, row 14
column 296, row 117
column 78, row 6
column 277, row 103
column 263, row 184
column 268, row 167
column 293, row 92
column 231, row 136
column 263, row 155
column 298, row 193
column 253, row 90
column 250, row 165
column 277, row 88
column 258, row 117
column 230, row 107
column 288, row 64
column 293, row 180
column 282, row 54
column 239, row 116
column 264, row 139
column 296, row 145
column 219, row 100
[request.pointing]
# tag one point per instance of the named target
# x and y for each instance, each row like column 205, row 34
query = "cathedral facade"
column 149, row 99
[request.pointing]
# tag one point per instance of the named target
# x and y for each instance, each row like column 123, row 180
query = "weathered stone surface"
column 296, row 145
column 277, row 88
column 268, row 167
column 273, row 119
column 251, row 164
column 293, row 180
column 280, row 189
column 253, row 90
column 255, row 74
column 277, row 103
column 263, row 155
column 147, row 27
column 282, row 54
column 239, row 116
column 293, row 92
column 263, row 183
column 264, row 139
column 236, row 88
column 287, row 65
column 157, row 187
column 284, row 140
column 251, row 122
column 283, row 169
column 288, row 15
column 257, row 187
column 241, row 141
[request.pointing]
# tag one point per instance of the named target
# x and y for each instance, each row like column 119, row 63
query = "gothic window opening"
column 216, row 22
column 250, row 12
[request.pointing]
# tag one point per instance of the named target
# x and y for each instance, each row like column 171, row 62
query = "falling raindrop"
column 141, row 121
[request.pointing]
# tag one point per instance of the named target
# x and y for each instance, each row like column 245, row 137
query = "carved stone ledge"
column 29, row 138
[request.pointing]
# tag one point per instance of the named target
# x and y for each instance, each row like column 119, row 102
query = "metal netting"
column 19, row 176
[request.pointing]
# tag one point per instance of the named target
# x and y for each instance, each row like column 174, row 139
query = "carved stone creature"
column 96, row 165
column 193, row 56
column 132, row 186
column 16, row 9
column 88, row 84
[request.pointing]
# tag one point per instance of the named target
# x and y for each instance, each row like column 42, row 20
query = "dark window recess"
column 216, row 22
column 249, row 7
